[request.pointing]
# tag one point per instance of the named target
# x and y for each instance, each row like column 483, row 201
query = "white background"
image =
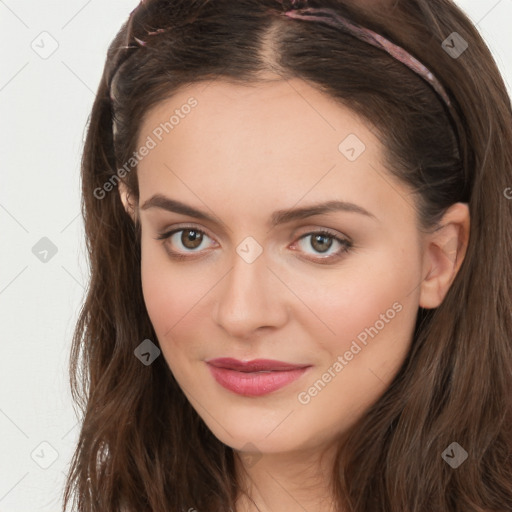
column 44, row 106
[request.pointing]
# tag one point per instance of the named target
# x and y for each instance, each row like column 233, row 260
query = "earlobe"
column 445, row 250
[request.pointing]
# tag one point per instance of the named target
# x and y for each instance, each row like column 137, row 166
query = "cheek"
column 352, row 299
column 166, row 292
column 174, row 296
column 372, row 310
column 371, row 307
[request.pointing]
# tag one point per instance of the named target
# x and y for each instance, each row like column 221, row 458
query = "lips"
column 256, row 365
column 254, row 378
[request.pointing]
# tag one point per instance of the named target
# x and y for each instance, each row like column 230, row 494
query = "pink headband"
column 332, row 18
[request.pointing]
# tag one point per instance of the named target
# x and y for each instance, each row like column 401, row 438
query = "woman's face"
column 263, row 269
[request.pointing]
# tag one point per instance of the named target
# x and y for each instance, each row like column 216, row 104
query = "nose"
column 250, row 299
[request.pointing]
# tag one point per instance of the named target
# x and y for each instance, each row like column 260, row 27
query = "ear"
column 445, row 249
column 125, row 198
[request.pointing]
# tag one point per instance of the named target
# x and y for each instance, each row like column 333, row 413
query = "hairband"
column 334, row 19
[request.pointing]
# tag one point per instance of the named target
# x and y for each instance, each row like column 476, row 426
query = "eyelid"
column 310, row 230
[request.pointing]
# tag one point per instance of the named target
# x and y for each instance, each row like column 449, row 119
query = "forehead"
column 269, row 142
column 288, row 114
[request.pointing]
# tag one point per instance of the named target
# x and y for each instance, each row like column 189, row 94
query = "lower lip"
column 255, row 383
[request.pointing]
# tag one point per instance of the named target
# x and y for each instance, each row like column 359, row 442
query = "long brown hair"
column 142, row 447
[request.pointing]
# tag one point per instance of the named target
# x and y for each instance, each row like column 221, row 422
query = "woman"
column 299, row 236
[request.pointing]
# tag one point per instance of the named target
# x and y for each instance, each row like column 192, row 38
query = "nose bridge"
column 250, row 296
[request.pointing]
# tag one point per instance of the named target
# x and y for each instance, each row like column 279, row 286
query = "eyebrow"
column 278, row 217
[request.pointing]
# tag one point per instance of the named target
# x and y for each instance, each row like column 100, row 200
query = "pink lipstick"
column 254, row 378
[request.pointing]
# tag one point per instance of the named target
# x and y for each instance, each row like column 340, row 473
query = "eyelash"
column 346, row 245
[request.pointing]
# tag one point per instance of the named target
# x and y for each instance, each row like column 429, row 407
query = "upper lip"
column 254, row 365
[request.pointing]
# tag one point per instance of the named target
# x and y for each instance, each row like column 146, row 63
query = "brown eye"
column 326, row 246
column 321, row 242
column 191, row 238
column 185, row 242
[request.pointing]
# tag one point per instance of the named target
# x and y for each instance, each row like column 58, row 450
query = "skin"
column 242, row 153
